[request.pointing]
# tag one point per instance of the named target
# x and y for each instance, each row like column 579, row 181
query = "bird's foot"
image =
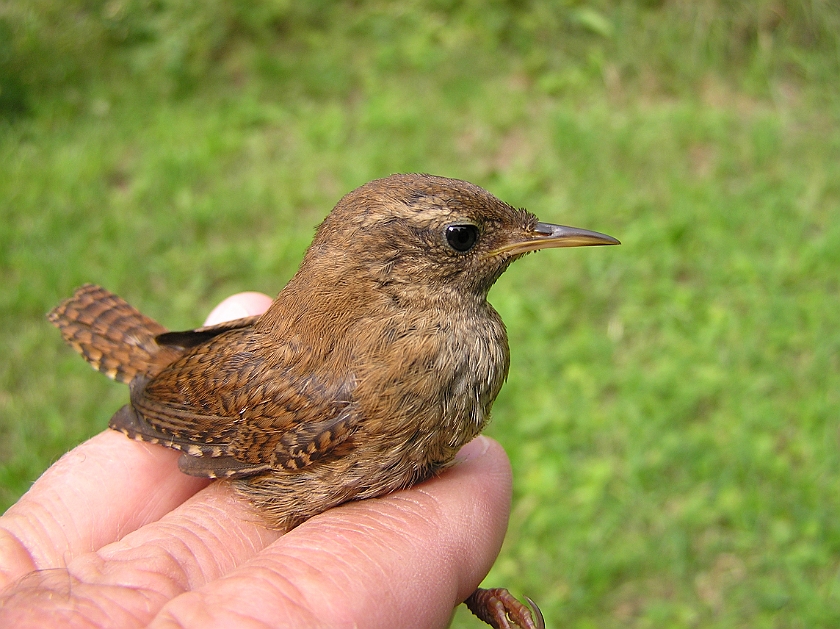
column 499, row 609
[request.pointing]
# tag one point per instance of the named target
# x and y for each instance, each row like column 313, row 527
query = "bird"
column 373, row 366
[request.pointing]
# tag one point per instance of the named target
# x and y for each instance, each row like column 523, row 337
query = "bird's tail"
column 110, row 334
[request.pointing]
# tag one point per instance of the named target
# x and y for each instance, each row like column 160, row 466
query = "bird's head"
column 432, row 234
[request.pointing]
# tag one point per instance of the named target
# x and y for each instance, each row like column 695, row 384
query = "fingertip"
column 479, row 447
column 237, row 306
column 486, row 458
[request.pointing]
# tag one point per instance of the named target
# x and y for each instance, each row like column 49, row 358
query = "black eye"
column 462, row 237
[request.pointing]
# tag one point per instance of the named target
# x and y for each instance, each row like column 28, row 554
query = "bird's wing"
column 235, row 409
column 191, row 338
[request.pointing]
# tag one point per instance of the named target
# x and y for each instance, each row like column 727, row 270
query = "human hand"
column 115, row 535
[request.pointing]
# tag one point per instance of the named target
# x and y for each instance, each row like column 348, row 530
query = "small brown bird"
column 372, row 367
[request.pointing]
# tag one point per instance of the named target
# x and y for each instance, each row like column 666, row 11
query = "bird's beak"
column 547, row 235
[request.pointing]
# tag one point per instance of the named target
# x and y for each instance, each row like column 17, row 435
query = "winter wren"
column 372, row 367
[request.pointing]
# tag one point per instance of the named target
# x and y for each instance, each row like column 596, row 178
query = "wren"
column 373, row 366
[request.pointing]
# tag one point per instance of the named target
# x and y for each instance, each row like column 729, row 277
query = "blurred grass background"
column 672, row 411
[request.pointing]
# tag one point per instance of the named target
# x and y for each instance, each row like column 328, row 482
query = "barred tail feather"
column 111, row 335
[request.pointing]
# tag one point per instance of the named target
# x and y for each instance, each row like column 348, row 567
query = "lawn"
column 673, row 407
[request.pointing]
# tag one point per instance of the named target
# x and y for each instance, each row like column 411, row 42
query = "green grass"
column 672, row 411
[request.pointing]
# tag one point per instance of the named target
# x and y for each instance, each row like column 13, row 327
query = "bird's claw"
column 501, row 610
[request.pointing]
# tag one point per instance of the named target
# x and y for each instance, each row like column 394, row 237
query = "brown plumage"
column 372, row 367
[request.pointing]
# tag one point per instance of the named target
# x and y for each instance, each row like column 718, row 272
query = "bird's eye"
column 462, row 237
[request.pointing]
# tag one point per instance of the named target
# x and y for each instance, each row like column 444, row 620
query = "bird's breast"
column 426, row 382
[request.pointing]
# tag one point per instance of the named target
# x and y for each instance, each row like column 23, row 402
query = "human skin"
column 114, row 535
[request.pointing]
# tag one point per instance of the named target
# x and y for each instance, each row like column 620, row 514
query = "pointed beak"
column 547, row 235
